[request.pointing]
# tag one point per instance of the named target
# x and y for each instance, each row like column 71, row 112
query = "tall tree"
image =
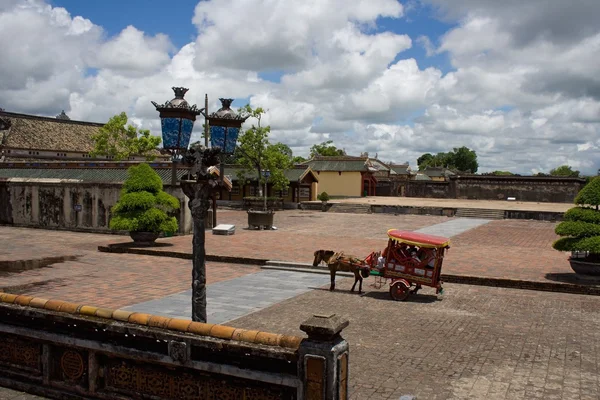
column 256, row 153
column 326, row 149
column 464, row 159
column 424, row 161
column 120, row 142
column 564, row 170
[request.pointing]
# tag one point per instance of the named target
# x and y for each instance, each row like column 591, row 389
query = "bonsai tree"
column 580, row 229
column 143, row 206
column 324, row 197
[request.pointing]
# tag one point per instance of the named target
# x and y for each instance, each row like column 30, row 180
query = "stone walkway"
column 234, row 298
column 453, row 227
column 458, row 203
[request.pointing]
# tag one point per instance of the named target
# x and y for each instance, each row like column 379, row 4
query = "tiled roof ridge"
column 172, row 324
column 49, row 119
column 337, row 158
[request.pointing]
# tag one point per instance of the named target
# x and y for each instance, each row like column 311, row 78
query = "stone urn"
column 260, row 219
column 145, row 238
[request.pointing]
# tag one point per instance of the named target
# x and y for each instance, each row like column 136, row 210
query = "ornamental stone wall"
column 69, row 204
column 63, row 350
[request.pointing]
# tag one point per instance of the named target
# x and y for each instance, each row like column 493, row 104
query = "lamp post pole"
column 200, row 185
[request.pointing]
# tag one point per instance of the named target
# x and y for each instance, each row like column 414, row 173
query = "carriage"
column 410, row 260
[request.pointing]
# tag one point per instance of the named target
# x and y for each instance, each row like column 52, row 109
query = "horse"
column 345, row 263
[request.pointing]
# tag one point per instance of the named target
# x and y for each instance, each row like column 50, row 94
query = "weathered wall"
column 68, row 204
column 428, row 189
column 523, row 188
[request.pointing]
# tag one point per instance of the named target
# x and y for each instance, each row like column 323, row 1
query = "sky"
column 516, row 81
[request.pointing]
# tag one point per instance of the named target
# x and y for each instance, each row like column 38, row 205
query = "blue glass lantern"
column 225, row 127
column 177, row 121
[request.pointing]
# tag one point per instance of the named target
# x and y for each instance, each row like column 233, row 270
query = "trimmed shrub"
column 323, row 196
column 580, row 229
column 143, row 206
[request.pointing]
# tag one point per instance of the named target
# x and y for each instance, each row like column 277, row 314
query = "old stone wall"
column 522, row 188
column 428, row 189
column 69, row 204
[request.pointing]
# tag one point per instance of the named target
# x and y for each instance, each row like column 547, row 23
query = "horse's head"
column 365, row 272
column 322, row 255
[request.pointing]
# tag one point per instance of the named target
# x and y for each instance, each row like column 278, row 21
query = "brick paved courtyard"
column 476, row 343
column 497, row 343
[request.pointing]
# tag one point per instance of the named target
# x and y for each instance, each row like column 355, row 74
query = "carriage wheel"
column 399, row 291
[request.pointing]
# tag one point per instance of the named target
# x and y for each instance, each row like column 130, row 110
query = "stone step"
column 479, row 213
column 350, row 208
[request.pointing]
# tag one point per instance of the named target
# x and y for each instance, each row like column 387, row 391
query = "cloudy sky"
column 517, row 81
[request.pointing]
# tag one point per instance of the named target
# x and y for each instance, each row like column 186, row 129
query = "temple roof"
column 45, row 133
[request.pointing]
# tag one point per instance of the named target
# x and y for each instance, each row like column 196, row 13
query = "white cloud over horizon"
column 523, row 89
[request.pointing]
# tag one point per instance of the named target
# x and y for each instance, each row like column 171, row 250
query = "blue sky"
column 175, row 20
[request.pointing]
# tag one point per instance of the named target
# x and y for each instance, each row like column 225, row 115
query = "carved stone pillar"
column 323, row 359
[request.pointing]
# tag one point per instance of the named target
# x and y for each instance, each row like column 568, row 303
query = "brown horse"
column 340, row 262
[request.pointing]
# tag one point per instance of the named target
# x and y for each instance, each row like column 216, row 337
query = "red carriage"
column 410, row 260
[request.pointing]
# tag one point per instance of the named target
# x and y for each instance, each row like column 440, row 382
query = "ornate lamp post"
column 205, row 178
column 177, row 121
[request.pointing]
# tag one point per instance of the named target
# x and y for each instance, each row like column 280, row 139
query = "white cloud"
column 132, row 53
column 523, row 91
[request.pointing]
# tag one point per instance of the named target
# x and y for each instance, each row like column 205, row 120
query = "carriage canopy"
column 418, row 239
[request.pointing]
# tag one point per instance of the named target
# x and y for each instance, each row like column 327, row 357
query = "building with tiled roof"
column 347, row 176
column 438, row 173
column 303, row 181
column 31, row 137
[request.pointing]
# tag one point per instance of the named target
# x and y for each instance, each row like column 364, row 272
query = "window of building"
column 304, row 192
column 285, row 192
column 252, row 191
column 235, row 190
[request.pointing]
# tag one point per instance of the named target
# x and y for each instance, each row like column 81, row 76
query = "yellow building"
column 344, row 176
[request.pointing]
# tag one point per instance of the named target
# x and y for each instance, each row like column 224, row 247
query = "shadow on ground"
column 574, row 278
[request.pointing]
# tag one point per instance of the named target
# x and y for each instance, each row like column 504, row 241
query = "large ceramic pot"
column 144, row 237
column 585, row 267
column 258, row 219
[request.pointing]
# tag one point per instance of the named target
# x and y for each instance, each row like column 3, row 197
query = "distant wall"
column 428, row 189
column 68, row 204
column 523, row 188
column 477, row 187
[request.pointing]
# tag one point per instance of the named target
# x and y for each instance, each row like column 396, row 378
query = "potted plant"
column 580, row 231
column 143, row 206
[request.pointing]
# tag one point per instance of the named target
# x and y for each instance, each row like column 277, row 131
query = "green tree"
column 256, row 153
column 143, row 206
column 424, row 161
column 564, row 170
column 499, row 173
column 298, row 159
column 120, row 142
column 464, row 159
column 326, row 149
